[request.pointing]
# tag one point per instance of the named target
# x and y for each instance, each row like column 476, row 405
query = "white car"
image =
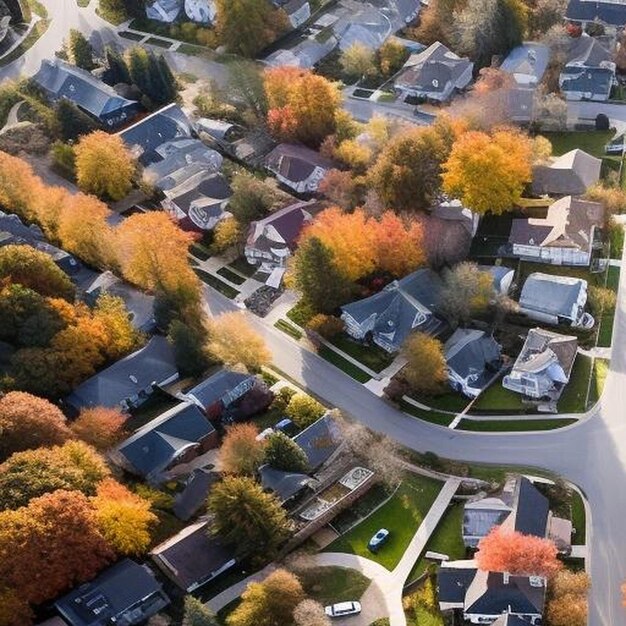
column 343, row 609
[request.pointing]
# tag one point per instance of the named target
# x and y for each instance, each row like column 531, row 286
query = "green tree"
column 315, row 277
column 246, row 27
column 79, row 50
column 117, row 68
column 113, row 10
column 251, row 200
column 466, row 291
column 17, row 304
column 196, row 613
column 283, row 453
column 72, row 121
column 247, row 517
column 189, row 352
column 425, row 371
column 245, row 83
column 304, row 410
column 36, row 270
column 36, row 370
column 63, row 159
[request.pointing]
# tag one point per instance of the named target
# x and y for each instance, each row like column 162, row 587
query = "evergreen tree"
column 117, row 68
column 79, row 50
column 139, row 69
column 191, row 357
column 316, row 278
column 167, row 79
column 72, row 121
column 285, row 454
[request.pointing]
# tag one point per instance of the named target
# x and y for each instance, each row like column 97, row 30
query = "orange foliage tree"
column 100, row 427
column 504, row 550
column 28, row 422
column 301, row 105
column 241, row 451
column 399, row 244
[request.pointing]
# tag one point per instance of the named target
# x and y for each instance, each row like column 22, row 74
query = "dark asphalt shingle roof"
column 533, row 509
column 612, row 13
column 154, row 363
column 191, row 499
column 553, row 295
column 283, row 484
column 105, row 599
column 472, row 352
column 225, row 386
column 319, row 441
column 570, row 174
column 453, row 583
column 63, row 80
column 152, row 448
column 296, row 163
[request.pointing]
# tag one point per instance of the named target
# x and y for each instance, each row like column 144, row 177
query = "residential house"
column 508, row 619
column 519, row 103
column 298, row 167
column 365, row 25
column 305, row 54
column 177, row 436
column 199, row 203
column 519, row 506
column 60, row 80
column 125, row 594
column 589, row 72
column 298, row 11
column 402, row 307
column 320, row 441
column 543, row 368
column 129, row 382
column 569, row 174
column 272, row 240
column 454, row 211
column 434, row 74
column 13, row 232
column 145, row 136
column 609, row 13
column 140, row 305
column 165, row 11
column 194, row 495
column 473, row 358
column 556, row 300
column 230, row 396
column 193, row 557
column 568, row 235
column 285, row 485
column 483, row 597
column 201, row 11
column 527, row 63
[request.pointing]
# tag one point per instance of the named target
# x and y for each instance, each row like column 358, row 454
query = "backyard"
column 401, row 516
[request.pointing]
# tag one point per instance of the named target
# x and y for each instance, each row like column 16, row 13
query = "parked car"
column 343, row 609
column 378, row 540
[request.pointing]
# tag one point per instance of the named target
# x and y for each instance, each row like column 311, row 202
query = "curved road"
column 591, row 453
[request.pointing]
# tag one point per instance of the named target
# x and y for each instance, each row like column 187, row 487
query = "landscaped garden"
column 401, row 516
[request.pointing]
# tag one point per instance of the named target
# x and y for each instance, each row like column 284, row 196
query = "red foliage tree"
column 504, row 550
column 399, row 245
column 100, row 427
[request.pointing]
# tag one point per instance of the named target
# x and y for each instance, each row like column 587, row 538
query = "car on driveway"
column 343, row 609
column 378, row 540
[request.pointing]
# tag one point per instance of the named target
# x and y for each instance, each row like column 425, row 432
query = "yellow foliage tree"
column 18, row 184
column 226, row 234
column 104, row 166
column 425, row 371
column 121, row 336
column 354, row 154
column 123, row 518
column 233, row 341
column 488, row 172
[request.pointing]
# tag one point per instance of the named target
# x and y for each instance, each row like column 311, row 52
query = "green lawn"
column 450, row 401
column 371, row 356
column 338, row 361
column 446, row 539
column 29, row 41
column 289, row 329
column 590, row 141
column 520, row 425
column 216, row 283
column 300, row 314
column 161, row 43
column 579, row 519
column 231, row 276
column 401, row 515
column 361, row 508
column 574, row 396
column 328, row 585
column 434, row 417
column 497, row 398
column 605, row 332
column 200, row 251
column 598, row 378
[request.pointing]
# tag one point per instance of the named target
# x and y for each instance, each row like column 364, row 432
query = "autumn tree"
column 313, row 272
column 302, row 105
column 79, row 50
column 613, row 198
column 435, row 22
column 233, row 341
column 123, row 518
column 446, row 243
column 391, row 57
column 104, row 165
column 100, row 427
column 36, row 270
column 549, row 112
column 28, row 422
column 466, row 291
column 59, row 546
column 425, row 371
column 121, row 335
column 504, row 550
column 18, row 185
column 246, row 27
column 226, row 235
column 152, row 251
column 247, row 517
column 304, row 410
column 356, row 155
column 407, row 174
column 241, row 452
column 251, row 200
column 196, row 613
column 268, row 603
column 358, row 60
column 487, row 173
column 341, row 188
column 399, row 245
column 310, row 613
column 283, row 453
column 26, row 475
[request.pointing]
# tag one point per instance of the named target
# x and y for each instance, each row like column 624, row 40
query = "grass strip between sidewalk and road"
column 521, row 425
column 288, row 329
column 345, row 366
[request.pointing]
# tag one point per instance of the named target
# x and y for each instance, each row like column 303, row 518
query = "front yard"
column 328, row 585
column 401, row 516
column 373, row 357
column 574, row 397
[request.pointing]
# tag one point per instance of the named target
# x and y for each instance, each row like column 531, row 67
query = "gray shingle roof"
column 527, row 60
column 152, row 448
column 612, row 13
column 284, row 484
column 192, row 498
column 473, row 353
column 453, row 582
column 570, row 174
column 224, row 386
column 536, row 352
column 126, row 592
column 152, row 364
column 533, row 508
column 296, row 163
column 63, row 80
column 319, row 441
column 553, row 295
